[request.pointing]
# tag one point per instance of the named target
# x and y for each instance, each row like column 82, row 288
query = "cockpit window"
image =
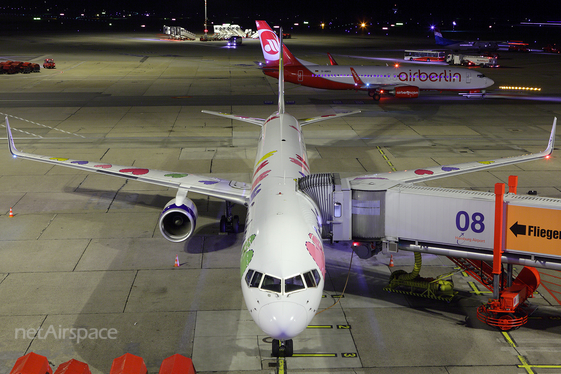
column 253, row 278
column 271, row 284
column 480, row 76
column 293, row 284
column 309, row 279
column 248, row 276
column 317, row 277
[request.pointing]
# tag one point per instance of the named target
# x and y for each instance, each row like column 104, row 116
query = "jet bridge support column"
column 499, row 238
column 512, row 188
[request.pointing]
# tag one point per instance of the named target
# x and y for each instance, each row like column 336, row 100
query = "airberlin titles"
column 432, row 76
column 535, row 231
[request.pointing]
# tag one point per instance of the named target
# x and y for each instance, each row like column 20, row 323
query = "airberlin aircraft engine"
column 177, row 221
column 405, row 92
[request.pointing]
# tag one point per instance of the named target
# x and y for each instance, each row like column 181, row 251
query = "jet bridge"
column 442, row 221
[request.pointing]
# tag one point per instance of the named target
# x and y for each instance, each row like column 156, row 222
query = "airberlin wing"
column 235, row 192
column 359, row 83
column 426, row 174
column 307, row 121
column 255, row 121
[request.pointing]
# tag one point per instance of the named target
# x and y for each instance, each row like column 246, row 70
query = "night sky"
column 544, row 9
column 468, row 14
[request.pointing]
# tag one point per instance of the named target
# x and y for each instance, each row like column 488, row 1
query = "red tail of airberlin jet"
column 402, row 82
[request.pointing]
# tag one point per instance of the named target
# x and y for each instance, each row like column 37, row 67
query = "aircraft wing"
column 307, row 121
column 235, row 192
column 255, row 121
column 426, row 174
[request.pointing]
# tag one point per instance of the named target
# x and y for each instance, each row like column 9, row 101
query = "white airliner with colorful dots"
column 282, row 267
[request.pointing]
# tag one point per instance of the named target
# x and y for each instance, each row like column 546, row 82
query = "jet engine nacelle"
column 177, row 222
column 406, row 92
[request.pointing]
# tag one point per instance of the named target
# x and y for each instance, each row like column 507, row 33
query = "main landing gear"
column 375, row 95
column 283, row 348
column 228, row 222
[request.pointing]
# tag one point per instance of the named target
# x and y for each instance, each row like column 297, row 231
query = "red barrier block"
column 32, row 363
column 73, row 367
column 177, row 364
column 128, row 364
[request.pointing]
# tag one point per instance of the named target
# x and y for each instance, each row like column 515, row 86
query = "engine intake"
column 406, row 92
column 177, row 222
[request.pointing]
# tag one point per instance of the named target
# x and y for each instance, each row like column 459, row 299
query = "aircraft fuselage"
column 282, row 264
column 440, row 78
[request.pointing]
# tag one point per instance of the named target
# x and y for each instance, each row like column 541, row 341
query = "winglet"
column 331, row 59
column 358, row 81
column 11, row 145
column 551, row 143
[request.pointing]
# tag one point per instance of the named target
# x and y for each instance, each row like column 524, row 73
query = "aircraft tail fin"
column 440, row 40
column 281, row 78
column 271, row 48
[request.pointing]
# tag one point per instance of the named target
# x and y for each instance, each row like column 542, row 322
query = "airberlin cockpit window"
column 271, row 284
column 293, row 284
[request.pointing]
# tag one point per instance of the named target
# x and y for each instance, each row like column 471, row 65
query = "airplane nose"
column 283, row 320
column 490, row 82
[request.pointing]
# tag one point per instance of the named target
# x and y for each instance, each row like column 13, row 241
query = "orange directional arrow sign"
column 533, row 230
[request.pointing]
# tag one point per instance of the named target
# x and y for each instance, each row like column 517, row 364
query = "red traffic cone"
column 11, row 213
column 391, row 261
column 176, row 265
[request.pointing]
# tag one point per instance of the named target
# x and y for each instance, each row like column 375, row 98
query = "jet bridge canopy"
column 438, row 220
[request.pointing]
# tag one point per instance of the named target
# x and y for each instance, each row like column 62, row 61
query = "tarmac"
column 84, row 252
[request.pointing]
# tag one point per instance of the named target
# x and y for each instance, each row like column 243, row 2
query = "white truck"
column 466, row 60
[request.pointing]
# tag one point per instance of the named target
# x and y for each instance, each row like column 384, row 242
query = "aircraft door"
column 468, row 77
column 300, row 75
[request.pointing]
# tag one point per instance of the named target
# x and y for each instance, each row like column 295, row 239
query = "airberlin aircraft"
column 402, row 82
column 282, row 266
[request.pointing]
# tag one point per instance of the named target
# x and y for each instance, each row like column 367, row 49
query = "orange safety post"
column 128, row 364
column 177, row 364
column 73, row 367
column 32, row 363
column 512, row 184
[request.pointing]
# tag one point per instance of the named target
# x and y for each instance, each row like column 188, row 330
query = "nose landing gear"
column 282, row 348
